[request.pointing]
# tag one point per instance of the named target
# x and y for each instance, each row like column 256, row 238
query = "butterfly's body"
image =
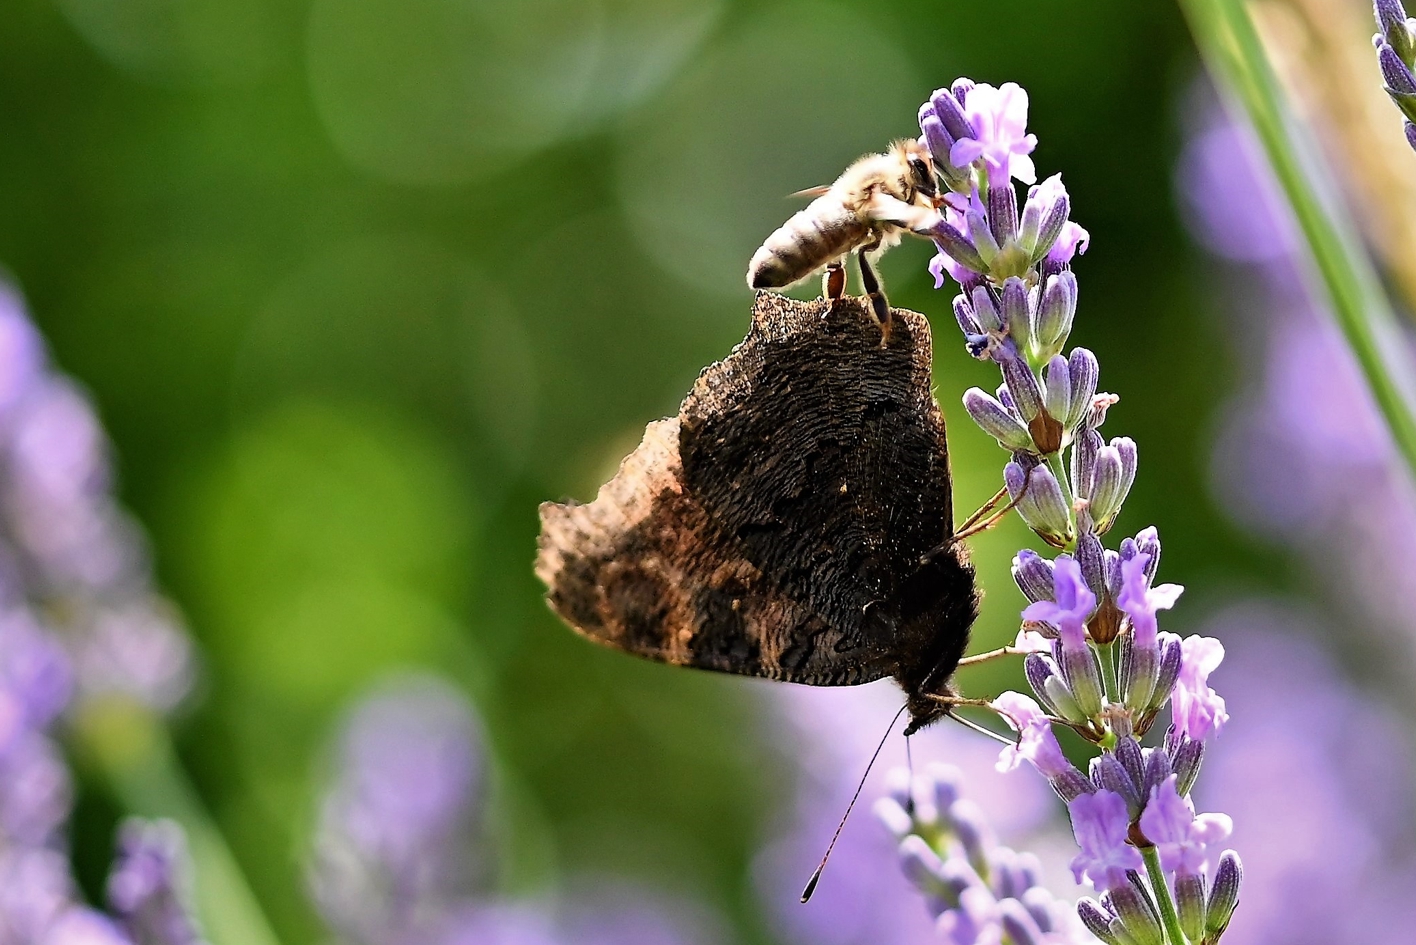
column 867, row 210
column 794, row 521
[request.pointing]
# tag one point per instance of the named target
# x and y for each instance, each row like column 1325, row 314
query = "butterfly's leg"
column 879, row 305
column 973, row 525
column 991, row 655
column 833, row 280
column 983, row 510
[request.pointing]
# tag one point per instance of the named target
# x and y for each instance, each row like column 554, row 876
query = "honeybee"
column 866, row 211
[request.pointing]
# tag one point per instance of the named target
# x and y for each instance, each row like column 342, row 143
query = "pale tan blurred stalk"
column 1323, row 54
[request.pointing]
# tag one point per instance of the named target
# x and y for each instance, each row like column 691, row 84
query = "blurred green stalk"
column 1235, row 57
column 129, row 745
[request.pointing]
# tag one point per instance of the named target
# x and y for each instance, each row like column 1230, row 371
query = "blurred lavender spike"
column 147, row 888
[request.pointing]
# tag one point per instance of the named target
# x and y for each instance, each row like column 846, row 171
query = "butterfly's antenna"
column 816, row 876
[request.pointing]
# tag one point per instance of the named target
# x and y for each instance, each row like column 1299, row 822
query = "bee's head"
column 920, row 173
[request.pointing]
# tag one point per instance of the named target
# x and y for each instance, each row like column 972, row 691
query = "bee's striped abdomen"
column 813, row 237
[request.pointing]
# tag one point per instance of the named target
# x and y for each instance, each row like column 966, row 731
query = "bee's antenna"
column 816, row 876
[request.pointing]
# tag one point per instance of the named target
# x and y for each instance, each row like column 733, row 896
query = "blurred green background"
column 356, row 284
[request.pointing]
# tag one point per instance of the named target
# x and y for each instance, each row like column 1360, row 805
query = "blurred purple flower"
column 397, row 829
column 146, row 889
column 401, row 857
column 1324, row 810
column 1100, row 821
column 861, row 900
column 80, row 925
column 75, row 621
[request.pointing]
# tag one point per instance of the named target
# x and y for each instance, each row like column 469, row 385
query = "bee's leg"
column 833, row 281
column 879, row 305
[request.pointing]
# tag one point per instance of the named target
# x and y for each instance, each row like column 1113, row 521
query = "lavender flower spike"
column 146, row 889
column 1396, row 57
column 1093, row 652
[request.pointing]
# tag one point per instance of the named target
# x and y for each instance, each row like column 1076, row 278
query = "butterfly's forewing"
column 775, row 527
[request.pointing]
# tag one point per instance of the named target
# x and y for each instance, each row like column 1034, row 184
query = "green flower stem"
column 1235, row 57
column 130, row 747
column 1111, row 687
column 1169, row 917
column 1059, row 472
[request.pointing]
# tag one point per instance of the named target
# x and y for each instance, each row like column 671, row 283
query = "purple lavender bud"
column 936, row 136
column 1097, row 921
column 1106, row 495
column 1157, row 770
column 1126, row 447
column 145, row 889
column 1055, row 691
column 1148, row 543
column 1391, row 20
column 1168, row 671
column 961, row 88
column 1090, row 555
column 981, row 235
column 944, row 780
column 898, row 788
column 1039, row 669
column 957, row 247
column 995, row 420
column 973, row 833
column 964, row 314
column 1051, row 227
column 1056, row 311
column 1133, row 906
column 1022, row 385
column 1033, row 574
column 896, row 819
column 1083, row 677
column 1136, row 921
column 1028, row 871
column 1109, row 774
column 1003, row 213
column 986, row 310
column 1084, row 452
column 1040, row 905
column 948, row 105
column 1224, row 895
column 1411, row 135
column 1084, row 373
column 1041, row 506
column 1071, row 785
column 1017, row 316
column 922, row 804
column 1190, row 903
column 1185, row 760
column 1057, row 388
column 1018, row 924
column 1128, row 752
column 921, row 865
column 1397, row 75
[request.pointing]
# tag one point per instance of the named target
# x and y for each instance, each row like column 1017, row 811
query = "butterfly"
column 793, row 522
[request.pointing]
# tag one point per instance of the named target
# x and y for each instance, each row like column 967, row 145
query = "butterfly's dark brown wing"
column 644, row 569
column 782, row 534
